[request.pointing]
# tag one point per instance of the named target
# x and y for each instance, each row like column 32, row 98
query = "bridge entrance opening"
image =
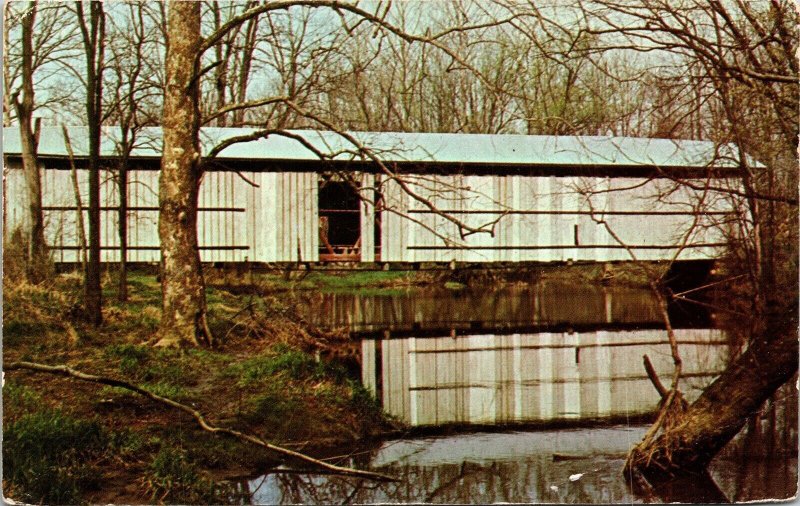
column 339, row 220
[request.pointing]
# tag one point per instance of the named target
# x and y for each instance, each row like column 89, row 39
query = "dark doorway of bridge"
column 339, row 220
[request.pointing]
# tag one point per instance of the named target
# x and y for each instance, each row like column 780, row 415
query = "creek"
column 530, row 394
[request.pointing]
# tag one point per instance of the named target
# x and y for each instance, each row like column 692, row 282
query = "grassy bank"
column 404, row 278
column 70, row 442
column 271, row 375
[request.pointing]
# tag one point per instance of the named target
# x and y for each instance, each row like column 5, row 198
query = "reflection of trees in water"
column 761, row 462
column 466, row 482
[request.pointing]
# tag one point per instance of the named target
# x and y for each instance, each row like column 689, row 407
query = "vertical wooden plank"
column 231, row 217
column 313, row 213
column 413, row 381
column 151, row 222
column 544, row 223
column 309, row 217
column 109, row 197
column 571, row 188
column 202, row 229
column 234, row 217
column 271, row 228
column 287, row 211
column 283, row 209
column 254, row 209
column 250, row 217
column 547, row 408
column 13, row 196
column 303, row 209
column 291, row 216
column 368, row 373
column 276, row 213
column 515, row 238
column 367, row 218
column 397, row 229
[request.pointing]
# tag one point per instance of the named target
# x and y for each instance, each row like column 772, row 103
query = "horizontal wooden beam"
column 587, row 213
column 573, row 246
column 148, row 248
column 143, row 208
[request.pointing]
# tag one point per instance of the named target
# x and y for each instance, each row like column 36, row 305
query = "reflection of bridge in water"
column 542, row 377
column 543, row 306
column 528, row 353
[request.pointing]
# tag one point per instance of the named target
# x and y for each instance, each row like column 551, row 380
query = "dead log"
column 689, row 445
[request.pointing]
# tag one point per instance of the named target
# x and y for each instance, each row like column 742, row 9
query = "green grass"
column 259, row 385
column 172, row 477
column 274, row 409
column 355, row 281
column 16, row 332
column 19, row 398
column 281, row 359
column 46, row 454
column 455, row 286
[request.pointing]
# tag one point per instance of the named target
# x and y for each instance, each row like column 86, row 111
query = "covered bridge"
column 319, row 196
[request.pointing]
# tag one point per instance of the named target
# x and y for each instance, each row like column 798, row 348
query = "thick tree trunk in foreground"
column 183, row 319
column 34, row 234
column 718, row 415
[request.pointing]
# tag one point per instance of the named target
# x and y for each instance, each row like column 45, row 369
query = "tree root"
column 672, row 408
column 63, row 370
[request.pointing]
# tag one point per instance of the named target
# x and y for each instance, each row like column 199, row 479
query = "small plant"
column 292, row 362
column 168, row 390
column 363, row 400
column 19, row 398
column 172, row 477
column 131, row 357
column 126, row 442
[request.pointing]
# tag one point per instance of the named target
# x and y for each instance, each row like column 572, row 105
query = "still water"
column 541, row 387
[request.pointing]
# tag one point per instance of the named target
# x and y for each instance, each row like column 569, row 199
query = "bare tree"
column 125, row 106
column 744, row 74
column 34, row 234
column 184, row 318
column 93, row 37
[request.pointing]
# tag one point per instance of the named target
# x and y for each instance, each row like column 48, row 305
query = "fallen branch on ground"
column 63, row 370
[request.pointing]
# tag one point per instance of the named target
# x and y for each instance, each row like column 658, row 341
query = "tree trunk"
column 78, row 201
column 688, row 446
column 122, row 225
column 36, row 248
column 183, row 319
column 94, row 45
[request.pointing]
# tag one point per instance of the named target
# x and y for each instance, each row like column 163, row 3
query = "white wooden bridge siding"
column 432, row 381
column 276, row 221
column 562, row 207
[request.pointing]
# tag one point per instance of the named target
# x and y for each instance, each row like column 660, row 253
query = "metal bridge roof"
column 415, row 148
